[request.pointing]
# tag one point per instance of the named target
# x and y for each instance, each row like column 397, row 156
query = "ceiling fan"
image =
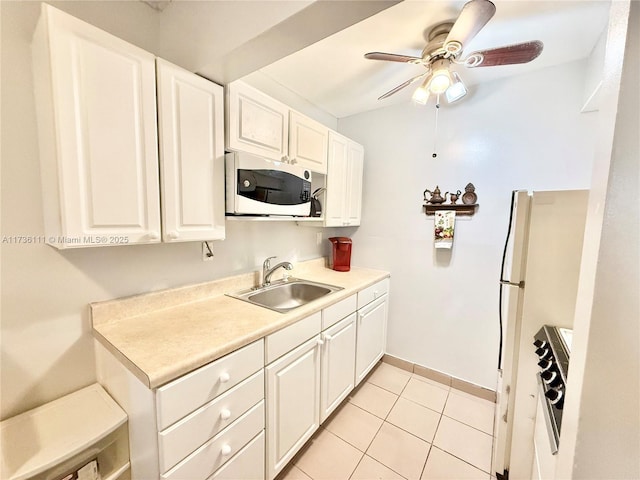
column 446, row 42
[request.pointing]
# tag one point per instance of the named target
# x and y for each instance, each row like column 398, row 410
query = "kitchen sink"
column 286, row 295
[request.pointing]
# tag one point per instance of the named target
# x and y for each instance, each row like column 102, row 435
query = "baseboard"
column 436, row 376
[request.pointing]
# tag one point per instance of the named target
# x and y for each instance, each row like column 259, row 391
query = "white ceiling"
column 334, row 75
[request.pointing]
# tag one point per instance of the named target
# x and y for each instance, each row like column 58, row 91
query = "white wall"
column 519, row 133
column 47, row 348
column 601, row 421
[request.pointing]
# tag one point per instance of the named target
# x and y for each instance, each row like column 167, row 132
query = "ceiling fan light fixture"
column 440, row 78
column 421, row 95
column 457, row 90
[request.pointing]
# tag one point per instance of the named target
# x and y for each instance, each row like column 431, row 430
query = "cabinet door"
column 338, row 364
column 308, row 141
column 293, row 410
column 97, row 100
column 256, row 123
column 370, row 336
column 336, row 180
column 354, row 184
column 191, row 129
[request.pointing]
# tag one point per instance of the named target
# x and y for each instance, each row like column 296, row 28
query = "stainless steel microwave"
column 259, row 186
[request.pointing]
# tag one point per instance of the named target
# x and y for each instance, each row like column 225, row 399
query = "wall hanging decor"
column 438, row 202
column 443, row 228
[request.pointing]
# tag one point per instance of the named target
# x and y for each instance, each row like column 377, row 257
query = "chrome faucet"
column 267, row 271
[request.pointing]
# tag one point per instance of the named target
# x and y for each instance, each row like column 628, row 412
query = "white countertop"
column 162, row 335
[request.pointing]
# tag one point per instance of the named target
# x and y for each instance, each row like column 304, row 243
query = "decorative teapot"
column 436, row 198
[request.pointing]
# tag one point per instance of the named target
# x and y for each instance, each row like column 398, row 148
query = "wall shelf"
column 460, row 209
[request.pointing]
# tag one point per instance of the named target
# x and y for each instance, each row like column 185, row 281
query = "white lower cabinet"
column 193, row 426
column 293, row 411
column 338, row 364
column 236, row 418
column 371, row 334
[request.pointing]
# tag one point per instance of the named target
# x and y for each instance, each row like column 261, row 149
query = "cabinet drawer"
column 373, row 292
column 191, row 391
column 248, row 464
column 183, row 437
column 221, row 448
column 285, row 340
column 333, row 314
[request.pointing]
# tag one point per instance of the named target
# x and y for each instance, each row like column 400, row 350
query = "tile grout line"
column 463, row 460
column 450, row 453
column 435, row 433
column 399, row 428
column 464, row 423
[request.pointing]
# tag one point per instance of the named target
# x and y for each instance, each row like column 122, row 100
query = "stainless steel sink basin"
column 286, row 295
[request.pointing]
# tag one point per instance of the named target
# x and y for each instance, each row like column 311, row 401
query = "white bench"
column 57, row 438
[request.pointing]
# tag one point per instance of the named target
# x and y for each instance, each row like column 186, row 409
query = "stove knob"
column 545, row 364
column 544, row 353
column 555, row 382
column 556, row 397
column 540, row 343
column 551, row 378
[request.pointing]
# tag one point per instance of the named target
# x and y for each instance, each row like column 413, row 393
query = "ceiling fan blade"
column 392, row 57
column 507, row 55
column 402, row 85
column 474, row 15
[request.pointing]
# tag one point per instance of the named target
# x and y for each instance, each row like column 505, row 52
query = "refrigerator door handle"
column 519, row 284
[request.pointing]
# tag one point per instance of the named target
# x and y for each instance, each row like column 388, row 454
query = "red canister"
column 341, row 253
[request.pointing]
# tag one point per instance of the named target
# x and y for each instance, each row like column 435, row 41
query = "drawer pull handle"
column 225, row 450
column 225, row 414
column 224, row 377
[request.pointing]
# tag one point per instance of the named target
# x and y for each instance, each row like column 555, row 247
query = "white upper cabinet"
column 190, row 126
column 96, row 101
column 260, row 124
column 344, row 182
column 256, row 123
column 336, row 180
column 353, row 193
column 308, row 142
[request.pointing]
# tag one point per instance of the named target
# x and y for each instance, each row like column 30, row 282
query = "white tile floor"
column 398, row 425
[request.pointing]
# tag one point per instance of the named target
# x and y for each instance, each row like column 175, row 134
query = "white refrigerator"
column 538, row 286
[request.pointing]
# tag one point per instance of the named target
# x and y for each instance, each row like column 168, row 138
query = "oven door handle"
column 547, row 415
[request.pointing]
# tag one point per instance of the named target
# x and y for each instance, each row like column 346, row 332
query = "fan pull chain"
column 435, row 137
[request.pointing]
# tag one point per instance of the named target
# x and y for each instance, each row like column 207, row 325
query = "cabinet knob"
column 320, row 342
column 225, row 450
column 224, row 377
column 225, row 414
column 328, row 337
column 293, row 161
column 375, row 294
column 173, row 235
column 154, row 236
